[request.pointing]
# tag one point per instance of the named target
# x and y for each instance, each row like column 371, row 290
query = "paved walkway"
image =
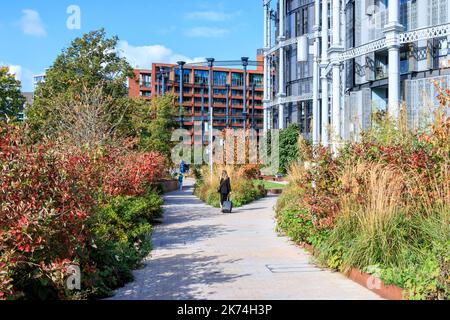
column 200, row 253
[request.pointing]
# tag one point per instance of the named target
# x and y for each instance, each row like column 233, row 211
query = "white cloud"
column 24, row 75
column 144, row 56
column 16, row 71
column 31, row 23
column 206, row 32
column 209, row 16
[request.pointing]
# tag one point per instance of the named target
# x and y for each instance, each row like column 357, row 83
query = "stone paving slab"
column 202, row 254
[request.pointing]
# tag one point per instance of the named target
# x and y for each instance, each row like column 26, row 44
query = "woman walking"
column 224, row 188
column 181, row 175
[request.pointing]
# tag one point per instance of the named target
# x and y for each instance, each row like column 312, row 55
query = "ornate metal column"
column 324, row 62
column 266, row 79
column 316, row 113
column 282, row 65
column 335, row 49
column 392, row 30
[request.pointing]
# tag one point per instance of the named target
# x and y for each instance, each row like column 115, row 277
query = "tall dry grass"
column 244, row 188
column 234, row 173
column 390, row 193
column 387, row 214
column 377, row 188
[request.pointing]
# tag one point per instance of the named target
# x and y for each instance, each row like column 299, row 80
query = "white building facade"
column 37, row 79
column 330, row 64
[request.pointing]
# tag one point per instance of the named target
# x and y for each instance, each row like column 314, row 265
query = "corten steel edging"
column 387, row 292
column 390, row 292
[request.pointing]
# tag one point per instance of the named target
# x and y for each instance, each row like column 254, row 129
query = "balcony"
column 146, row 84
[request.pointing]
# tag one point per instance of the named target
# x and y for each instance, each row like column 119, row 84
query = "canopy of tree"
column 91, row 63
column 11, row 99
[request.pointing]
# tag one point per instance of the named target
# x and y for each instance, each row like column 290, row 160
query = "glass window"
column 146, row 94
column 201, row 76
column 145, row 80
column 186, row 75
column 256, row 79
column 199, row 101
column 236, row 102
column 199, row 91
column 187, row 90
column 220, row 78
column 219, row 101
column 304, row 21
column 222, row 92
column 237, row 92
column 237, row 79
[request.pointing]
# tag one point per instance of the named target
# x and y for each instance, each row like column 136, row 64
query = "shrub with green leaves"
column 121, row 239
column 288, row 146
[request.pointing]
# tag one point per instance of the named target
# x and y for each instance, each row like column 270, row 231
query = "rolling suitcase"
column 227, row 207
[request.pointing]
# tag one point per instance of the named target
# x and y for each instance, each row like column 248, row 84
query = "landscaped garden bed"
column 381, row 206
column 245, row 187
column 80, row 178
column 65, row 207
column 269, row 185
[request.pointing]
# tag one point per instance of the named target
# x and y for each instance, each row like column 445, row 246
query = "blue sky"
column 33, row 32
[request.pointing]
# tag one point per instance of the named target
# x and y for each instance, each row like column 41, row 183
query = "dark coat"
column 225, row 186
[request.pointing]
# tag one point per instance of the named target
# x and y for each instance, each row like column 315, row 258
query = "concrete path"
column 201, row 254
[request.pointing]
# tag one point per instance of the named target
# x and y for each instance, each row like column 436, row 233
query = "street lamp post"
column 244, row 113
column 211, row 117
column 227, row 86
column 181, row 65
column 203, row 114
column 253, row 105
column 158, row 77
column 163, row 73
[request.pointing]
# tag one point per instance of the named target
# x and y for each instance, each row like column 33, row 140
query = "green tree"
column 89, row 61
column 11, row 99
column 158, row 124
column 288, row 146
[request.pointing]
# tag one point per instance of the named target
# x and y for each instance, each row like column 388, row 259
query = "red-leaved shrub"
column 46, row 197
column 42, row 213
column 130, row 174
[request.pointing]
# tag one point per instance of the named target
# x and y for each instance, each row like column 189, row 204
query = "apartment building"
column 330, row 64
column 231, row 106
column 37, row 79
